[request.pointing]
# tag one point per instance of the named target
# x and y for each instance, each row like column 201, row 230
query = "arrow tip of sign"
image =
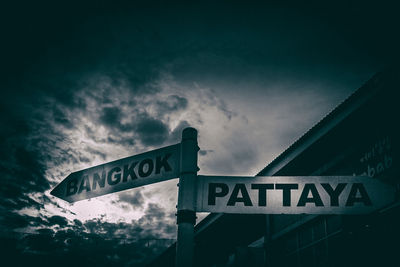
column 57, row 192
column 53, row 192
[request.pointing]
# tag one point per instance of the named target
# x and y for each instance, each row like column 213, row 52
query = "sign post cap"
column 189, row 133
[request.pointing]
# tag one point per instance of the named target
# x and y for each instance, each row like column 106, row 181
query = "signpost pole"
column 267, row 240
column 186, row 215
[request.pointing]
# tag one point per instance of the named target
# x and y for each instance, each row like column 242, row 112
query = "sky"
column 83, row 83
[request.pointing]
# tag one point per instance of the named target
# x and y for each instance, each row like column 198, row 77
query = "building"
column 359, row 137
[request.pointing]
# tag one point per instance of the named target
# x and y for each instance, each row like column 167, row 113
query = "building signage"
column 150, row 167
column 292, row 194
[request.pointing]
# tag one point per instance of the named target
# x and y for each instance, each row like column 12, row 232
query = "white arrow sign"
column 147, row 168
column 292, row 195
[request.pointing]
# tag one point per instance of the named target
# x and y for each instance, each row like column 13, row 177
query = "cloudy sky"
column 86, row 83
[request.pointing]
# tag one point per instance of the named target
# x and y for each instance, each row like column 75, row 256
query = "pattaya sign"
column 150, row 167
column 292, row 195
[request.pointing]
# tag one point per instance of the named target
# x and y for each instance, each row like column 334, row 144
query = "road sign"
column 150, row 167
column 292, row 195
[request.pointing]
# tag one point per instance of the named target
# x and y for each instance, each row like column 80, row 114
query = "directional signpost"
column 292, row 195
column 224, row 194
column 147, row 168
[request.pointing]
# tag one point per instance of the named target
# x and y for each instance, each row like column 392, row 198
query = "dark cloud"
column 30, row 171
column 173, row 103
column 58, row 220
column 61, row 118
column 132, row 197
column 130, row 41
column 13, row 220
column 111, row 116
column 78, row 222
column 151, row 131
column 22, row 173
column 154, row 211
column 124, row 127
column 45, row 231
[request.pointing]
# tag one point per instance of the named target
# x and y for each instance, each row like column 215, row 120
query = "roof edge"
column 338, row 114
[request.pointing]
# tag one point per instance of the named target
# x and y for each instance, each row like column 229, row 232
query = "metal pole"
column 267, row 241
column 186, row 216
